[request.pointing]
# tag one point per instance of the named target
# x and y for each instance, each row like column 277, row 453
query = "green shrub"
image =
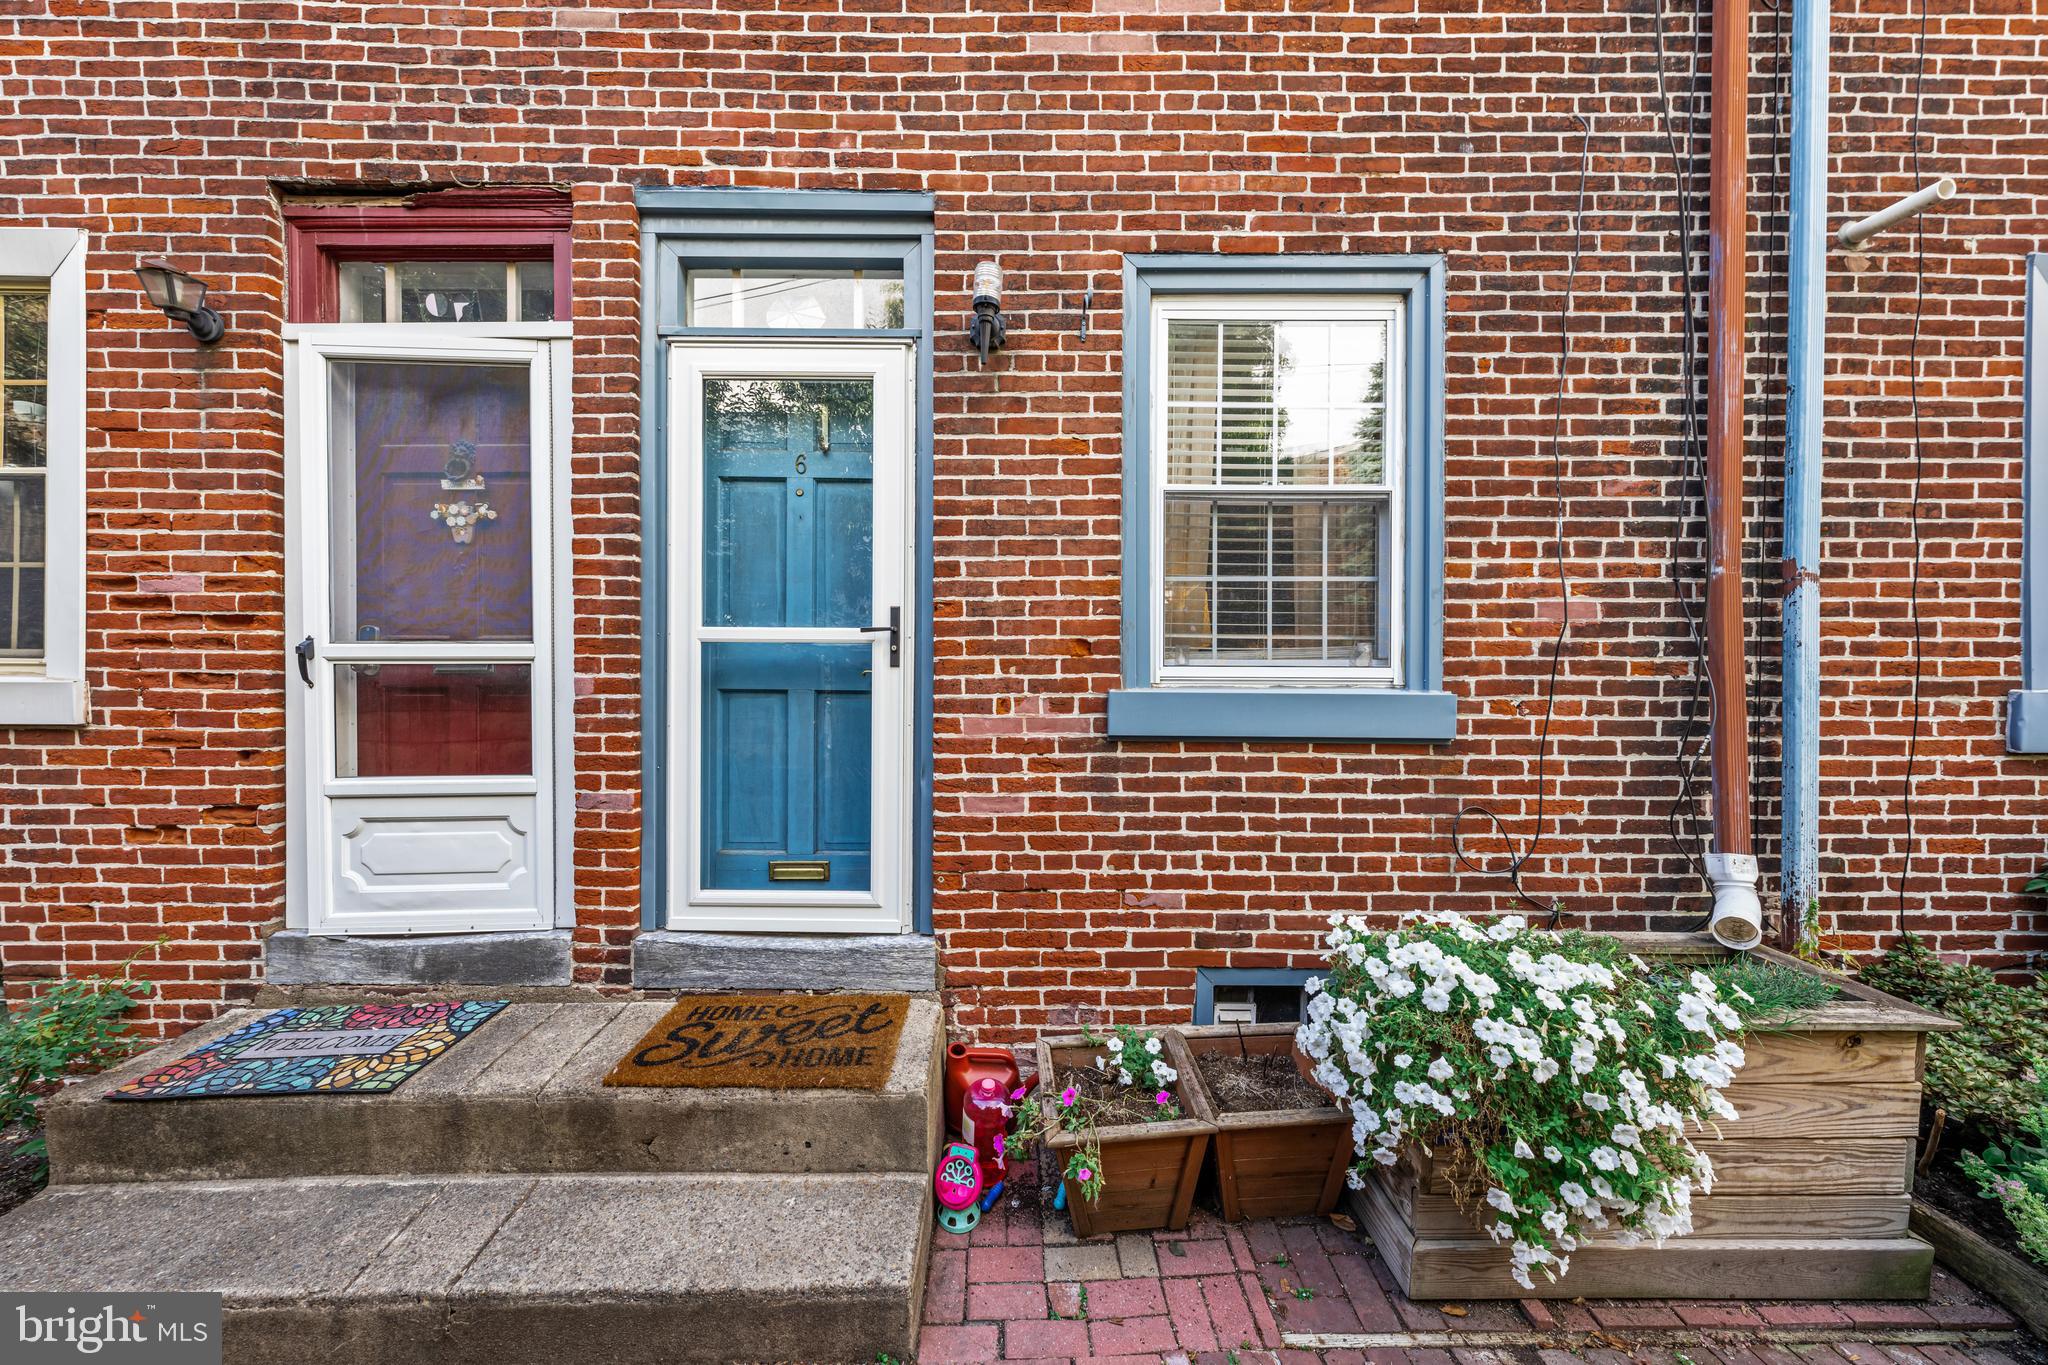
column 2016, row 1175
column 1987, row 1075
column 74, row 1022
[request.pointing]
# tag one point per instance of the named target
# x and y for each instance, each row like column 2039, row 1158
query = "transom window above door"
column 447, row 291
column 854, row 300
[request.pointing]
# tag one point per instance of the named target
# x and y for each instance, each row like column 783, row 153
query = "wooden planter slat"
column 1275, row 1163
column 1812, row 1182
column 1149, row 1170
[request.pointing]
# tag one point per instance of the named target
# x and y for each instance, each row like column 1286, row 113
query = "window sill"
column 1282, row 713
column 2026, row 723
column 28, row 699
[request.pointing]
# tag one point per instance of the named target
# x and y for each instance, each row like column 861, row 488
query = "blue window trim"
column 1207, row 979
column 2026, row 711
column 1420, row 710
column 693, row 228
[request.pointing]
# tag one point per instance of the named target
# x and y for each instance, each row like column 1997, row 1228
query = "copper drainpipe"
column 1731, row 865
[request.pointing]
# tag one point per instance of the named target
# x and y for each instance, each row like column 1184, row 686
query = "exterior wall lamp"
column 182, row 298
column 986, row 329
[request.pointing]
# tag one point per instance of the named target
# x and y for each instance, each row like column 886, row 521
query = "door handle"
column 895, row 629
column 304, row 649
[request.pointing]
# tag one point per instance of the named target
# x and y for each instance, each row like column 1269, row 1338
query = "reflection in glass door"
column 795, row 480
column 426, row 698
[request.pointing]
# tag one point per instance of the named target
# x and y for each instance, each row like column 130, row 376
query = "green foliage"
column 2037, row 885
column 1988, row 1074
column 71, row 1023
column 1558, row 1076
column 1769, row 992
column 1137, row 1087
column 2016, row 1175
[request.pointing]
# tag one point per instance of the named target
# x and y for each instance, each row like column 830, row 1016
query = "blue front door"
column 787, row 695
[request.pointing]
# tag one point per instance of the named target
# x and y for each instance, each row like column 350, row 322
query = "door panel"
column 789, row 738
column 423, row 559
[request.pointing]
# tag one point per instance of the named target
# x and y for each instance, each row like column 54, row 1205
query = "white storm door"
column 790, row 637
column 421, row 641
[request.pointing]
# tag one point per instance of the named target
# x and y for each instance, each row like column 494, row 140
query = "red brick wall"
column 1072, row 874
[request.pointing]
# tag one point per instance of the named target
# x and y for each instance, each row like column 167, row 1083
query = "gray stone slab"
column 668, row 959
column 293, row 957
column 523, row 1093
column 506, row 1270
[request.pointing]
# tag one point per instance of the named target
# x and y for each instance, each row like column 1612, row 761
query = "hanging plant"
column 1129, row 1081
column 1557, row 1076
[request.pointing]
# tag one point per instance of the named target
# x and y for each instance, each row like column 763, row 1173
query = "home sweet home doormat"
column 316, row 1050
column 774, row 1042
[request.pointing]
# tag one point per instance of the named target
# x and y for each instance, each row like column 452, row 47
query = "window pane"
column 434, row 720
column 362, row 291
column 858, row 299
column 1292, row 403
column 536, row 291
column 433, row 501
column 26, row 442
column 25, row 336
column 21, row 566
column 451, row 291
column 1285, row 580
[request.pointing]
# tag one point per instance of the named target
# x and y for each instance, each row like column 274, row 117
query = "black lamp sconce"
column 986, row 329
column 182, row 298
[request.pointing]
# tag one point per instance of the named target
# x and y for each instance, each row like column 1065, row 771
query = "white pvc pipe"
column 1738, row 920
column 1862, row 230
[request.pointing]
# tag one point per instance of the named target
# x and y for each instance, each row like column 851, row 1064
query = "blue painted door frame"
column 685, row 229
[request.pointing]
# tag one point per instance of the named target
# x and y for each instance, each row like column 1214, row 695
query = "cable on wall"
column 1919, row 469
column 1521, row 852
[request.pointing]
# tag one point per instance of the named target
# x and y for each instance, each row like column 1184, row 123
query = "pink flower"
column 1084, row 1175
column 1018, row 1093
column 1164, row 1097
column 999, row 1144
column 1069, row 1095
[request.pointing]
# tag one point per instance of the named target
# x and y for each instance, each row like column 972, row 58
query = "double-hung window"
column 42, row 476
column 1282, row 518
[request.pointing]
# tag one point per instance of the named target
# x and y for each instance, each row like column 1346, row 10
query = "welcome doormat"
column 771, row 1042
column 316, row 1050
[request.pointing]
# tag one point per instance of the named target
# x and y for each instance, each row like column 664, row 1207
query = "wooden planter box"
column 1149, row 1170
column 1813, row 1182
column 1273, row 1163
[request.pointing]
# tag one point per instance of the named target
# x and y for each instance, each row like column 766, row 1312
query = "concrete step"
column 504, row 1269
column 521, row 1094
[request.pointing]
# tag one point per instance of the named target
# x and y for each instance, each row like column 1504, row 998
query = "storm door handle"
column 304, row 649
column 895, row 629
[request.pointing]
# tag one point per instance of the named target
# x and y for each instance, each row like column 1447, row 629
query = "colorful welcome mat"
column 317, row 1050
column 771, row 1042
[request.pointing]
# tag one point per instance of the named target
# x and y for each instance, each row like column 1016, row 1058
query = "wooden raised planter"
column 1274, row 1163
column 1813, row 1183
column 1149, row 1170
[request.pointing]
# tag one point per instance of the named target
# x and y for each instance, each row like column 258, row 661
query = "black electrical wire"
column 1919, row 467
column 1682, row 821
column 1520, row 853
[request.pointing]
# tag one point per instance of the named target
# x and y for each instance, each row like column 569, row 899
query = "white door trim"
column 309, row 712
column 886, row 906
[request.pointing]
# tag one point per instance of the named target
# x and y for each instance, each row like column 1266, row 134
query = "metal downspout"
column 1731, row 865
column 1806, row 342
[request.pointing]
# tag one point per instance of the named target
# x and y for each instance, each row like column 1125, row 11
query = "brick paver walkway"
column 1022, row 1288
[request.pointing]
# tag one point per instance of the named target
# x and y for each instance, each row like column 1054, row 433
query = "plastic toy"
column 964, row 1066
column 958, row 1185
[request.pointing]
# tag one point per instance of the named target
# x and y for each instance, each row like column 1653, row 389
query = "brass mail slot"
column 799, row 870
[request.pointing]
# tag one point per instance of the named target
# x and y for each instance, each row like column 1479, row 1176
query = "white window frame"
column 1390, row 311
column 52, row 690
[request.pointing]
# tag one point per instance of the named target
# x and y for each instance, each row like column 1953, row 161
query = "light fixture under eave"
column 986, row 329
column 182, row 298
